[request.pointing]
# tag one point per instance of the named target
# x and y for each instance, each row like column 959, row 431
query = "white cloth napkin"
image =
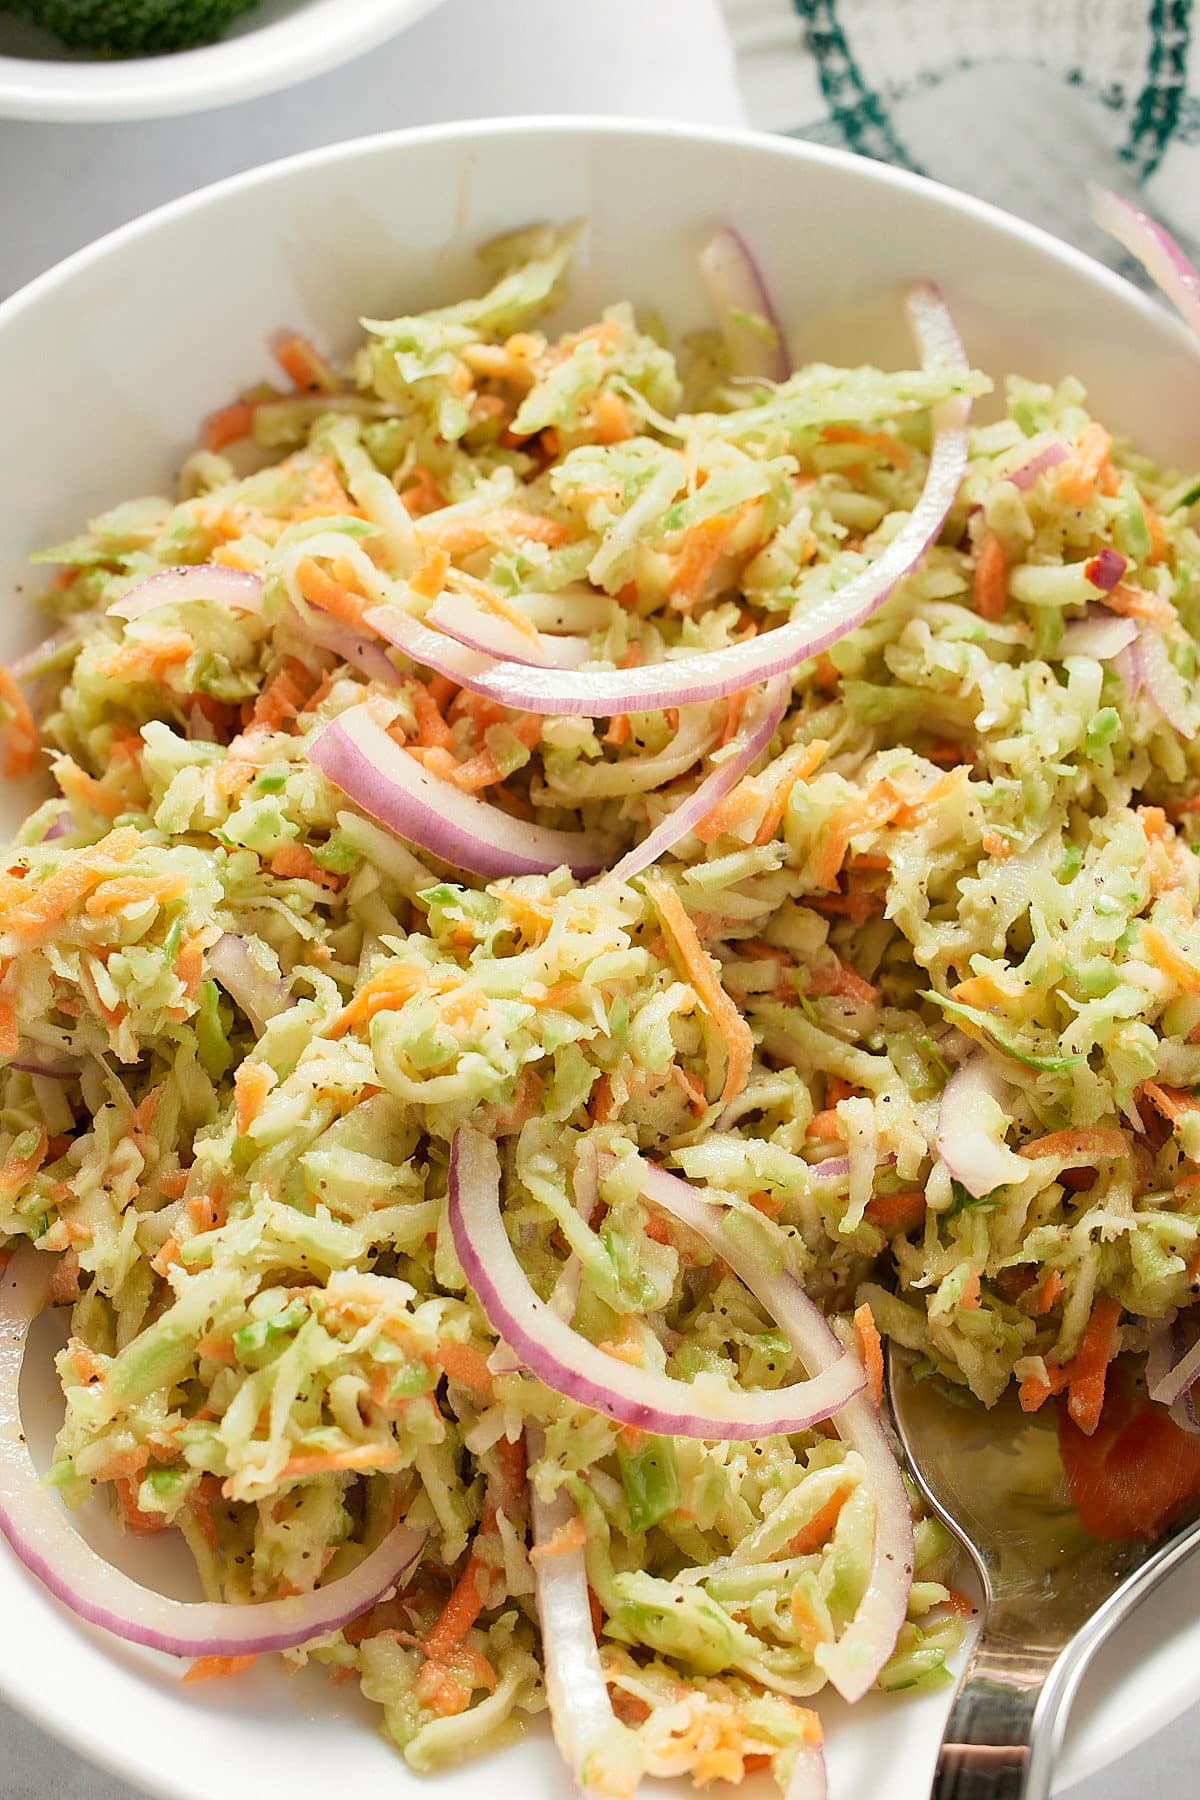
column 1021, row 102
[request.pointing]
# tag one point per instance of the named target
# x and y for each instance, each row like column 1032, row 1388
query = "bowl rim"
column 276, row 54
column 1104, row 1745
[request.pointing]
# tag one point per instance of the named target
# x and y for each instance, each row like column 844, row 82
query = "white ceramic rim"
column 257, row 61
column 1105, row 1745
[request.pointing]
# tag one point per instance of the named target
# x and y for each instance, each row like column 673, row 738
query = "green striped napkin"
column 1019, row 101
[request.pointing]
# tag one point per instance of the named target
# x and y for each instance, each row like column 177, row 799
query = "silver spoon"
column 1052, row 1592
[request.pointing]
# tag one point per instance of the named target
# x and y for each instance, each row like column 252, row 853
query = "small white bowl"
column 276, row 44
column 109, row 363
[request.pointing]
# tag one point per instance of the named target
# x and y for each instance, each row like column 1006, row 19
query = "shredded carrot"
column 143, row 1522
column 9, row 1035
column 27, row 912
column 133, row 890
column 15, row 1170
column 818, row 1530
column 1047, row 1293
column 1138, row 603
column 1084, row 1376
column 970, row 1296
column 228, row 425
column 881, row 442
column 989, row 584
column 18, row 732
column 870, row 1349
column 897, row 1213
column 698, row 555
column 305, row 366
column 1080, row 475
column 612, row 421
column 332, row 1462
column 146, row 659
column 1154, row 527
column 794, row 766
column 205, row 1668
column 914, row 812
column 395, row 984
column 340, row 598
column 875, row 809
column 462, row 536
column 251, row 1085
column 1170, row 959
column 465, row 1365
column 459, row 1613
column 693, row 1089
column 1082, row 1143
column 600, row 1101
column 706, row 981
column 825, row 1125
column 293, row 862
column 189, row 965
column 571, row 1535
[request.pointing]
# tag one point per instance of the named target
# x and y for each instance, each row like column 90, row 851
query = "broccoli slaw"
column 584, row 885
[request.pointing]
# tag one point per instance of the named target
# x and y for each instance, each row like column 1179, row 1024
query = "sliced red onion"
column 1154, row 248
column 1100, row 634
column 854, row 1661
column 1165, row 687
column 756, row 733
column 736, row 286
column 30, row 666
column 36, row 1526
column 1129, row 665
column 237, row 588
column 353, row 647
column 34, row 1061
column 708, row 675
column 1106, row 569
column 60, row 827
column 431, row 649
column 600, row 1752
column 570, row 1365
column 259, row 994
column 1028, row 472
column 808, row 1778
column 970, row 1152
column 392, row 787
column 1169, row 1385
column 460, row 618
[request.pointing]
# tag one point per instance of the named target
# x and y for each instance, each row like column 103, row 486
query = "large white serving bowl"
column 108, row 363
column 278, row 43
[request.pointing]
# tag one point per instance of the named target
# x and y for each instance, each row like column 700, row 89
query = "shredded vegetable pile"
column 584, row 886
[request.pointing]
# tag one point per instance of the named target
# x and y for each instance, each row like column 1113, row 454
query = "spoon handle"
column 1006, row 1725
column 988, row 1739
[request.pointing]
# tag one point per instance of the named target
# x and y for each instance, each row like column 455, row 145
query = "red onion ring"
column 751, row 741
column 431, row 649
column 579, row 1370
column 1026, row 474
column 1164, row 686
column 1170, row 1385
column 259, row 995
column 853, row 1663
column 354, row 649
column 1154, row 248
column 237, row 588
column 600, row 1752
column 973, row 1158
column 1099, row 633
column 38, row 1530
column 392, row 787
column 1106, row 568
column 735, row 285
column 460, row 618
column 709, row 675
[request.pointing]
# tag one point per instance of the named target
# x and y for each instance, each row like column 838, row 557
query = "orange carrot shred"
column 870, row 1349
column 705, row 978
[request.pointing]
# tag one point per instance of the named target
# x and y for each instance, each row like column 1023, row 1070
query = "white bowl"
column 280, row 42
column 108, row 363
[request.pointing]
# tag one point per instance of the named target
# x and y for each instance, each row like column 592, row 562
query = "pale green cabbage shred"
column 257, row 1287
